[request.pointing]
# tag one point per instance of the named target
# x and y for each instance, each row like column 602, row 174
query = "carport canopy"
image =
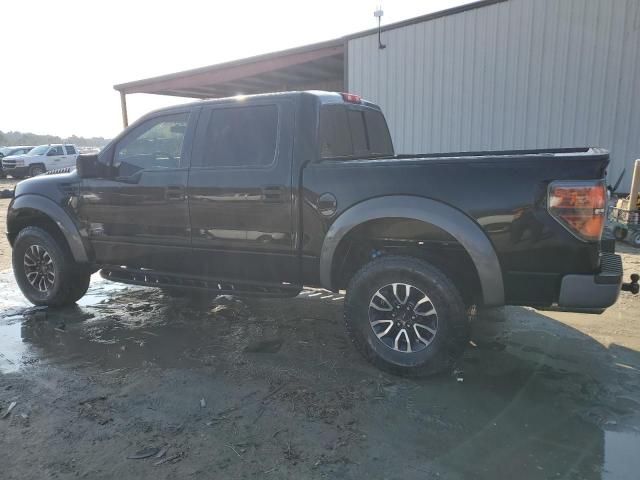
column 319, row 66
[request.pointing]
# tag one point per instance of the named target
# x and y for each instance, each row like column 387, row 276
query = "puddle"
column 13, row 351
column 119, row 326
column 621, row 455
column 24, row 327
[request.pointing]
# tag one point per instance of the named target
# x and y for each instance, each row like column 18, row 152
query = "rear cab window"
column 353, row 132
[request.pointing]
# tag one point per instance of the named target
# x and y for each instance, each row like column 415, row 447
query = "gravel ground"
column 262, row 388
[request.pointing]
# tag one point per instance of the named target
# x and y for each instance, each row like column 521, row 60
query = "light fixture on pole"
column 378, row 14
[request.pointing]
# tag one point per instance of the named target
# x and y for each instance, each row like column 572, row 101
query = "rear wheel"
column 405, row 316
column 635, row 240
column 45, row 270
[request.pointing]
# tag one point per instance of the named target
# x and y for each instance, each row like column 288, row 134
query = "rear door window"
column 242, row 137
column 70, row 149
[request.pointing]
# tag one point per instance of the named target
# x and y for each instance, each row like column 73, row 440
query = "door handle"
column 273, row 193
column 174, row 192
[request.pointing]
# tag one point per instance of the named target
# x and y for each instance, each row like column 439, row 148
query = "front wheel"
column 45, row 270
column 405, row 316
column 36, row 170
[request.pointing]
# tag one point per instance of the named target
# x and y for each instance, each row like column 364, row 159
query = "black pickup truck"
column 264, row 194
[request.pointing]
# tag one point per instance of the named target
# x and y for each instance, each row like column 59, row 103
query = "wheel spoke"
column 386, row 330
column 407, row 291
column 422, row 301
column 396, row 342
column 420, row 337
column 28, row 260
column 428, row 329
column 379, row 295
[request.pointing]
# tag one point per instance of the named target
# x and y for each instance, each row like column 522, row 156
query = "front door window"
column 154, row 145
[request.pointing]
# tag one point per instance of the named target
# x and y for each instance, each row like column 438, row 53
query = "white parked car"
column 39, row 160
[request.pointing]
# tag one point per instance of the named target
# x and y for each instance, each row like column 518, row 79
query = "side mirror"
column 88, row 166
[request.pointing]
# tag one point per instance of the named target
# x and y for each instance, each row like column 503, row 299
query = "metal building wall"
column 514, row 74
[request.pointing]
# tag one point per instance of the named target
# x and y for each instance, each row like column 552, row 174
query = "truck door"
column 70, row 160
column 56, row 157
column 138, row 216
column 240, row 195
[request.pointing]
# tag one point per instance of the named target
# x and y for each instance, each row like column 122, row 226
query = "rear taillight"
column 580, row 207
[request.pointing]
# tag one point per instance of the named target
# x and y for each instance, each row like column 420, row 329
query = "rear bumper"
column 593, row 291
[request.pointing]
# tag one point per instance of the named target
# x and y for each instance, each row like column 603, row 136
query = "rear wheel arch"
column 434, row 219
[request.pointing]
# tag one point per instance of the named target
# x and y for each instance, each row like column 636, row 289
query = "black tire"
column 620, row 233
column 36, row 170
column 635, row 240
column 451, row 325
column 79, row 285
column 69, row 281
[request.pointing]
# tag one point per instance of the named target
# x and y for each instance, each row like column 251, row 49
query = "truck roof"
column 324, row 97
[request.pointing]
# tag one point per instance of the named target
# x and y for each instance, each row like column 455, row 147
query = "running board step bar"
column 150, row 278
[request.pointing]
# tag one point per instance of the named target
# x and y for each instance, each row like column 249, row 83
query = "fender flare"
column 59, row 217
column 468, row 233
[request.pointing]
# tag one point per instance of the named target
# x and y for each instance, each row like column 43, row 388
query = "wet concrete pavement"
column 545, row 395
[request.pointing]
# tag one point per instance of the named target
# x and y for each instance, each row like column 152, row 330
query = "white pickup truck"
column 39, row 160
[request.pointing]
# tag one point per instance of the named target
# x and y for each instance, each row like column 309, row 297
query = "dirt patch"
column 242, row 388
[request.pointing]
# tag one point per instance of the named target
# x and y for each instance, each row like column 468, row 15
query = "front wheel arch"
column 36, row 210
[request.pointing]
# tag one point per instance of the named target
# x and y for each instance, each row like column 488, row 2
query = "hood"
column 21, row 156
column 54, row 186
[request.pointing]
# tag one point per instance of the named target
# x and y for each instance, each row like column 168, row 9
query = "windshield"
column 41, row 150
column 5, row 151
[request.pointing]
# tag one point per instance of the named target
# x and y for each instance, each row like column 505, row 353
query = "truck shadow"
column 536, row 398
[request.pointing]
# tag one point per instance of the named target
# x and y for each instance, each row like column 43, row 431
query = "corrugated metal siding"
column 517, row 74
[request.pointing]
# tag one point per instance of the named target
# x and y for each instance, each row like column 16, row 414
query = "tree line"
column 21, row 138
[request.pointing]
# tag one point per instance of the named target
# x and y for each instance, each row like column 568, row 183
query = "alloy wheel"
column 403, row 317
column 39, row 268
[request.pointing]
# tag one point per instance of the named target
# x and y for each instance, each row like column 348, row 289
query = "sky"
column 61, row 58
